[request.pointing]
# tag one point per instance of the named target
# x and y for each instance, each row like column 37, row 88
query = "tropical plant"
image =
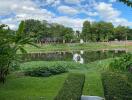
column 10, row 43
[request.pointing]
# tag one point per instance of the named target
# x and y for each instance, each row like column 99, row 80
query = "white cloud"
column 67, row 10
column 24, row 9
column 108, row 13
column 28, row 9
column 73, row 1
column 75, row 23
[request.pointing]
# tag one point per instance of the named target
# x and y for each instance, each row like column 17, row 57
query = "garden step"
column 91, row 98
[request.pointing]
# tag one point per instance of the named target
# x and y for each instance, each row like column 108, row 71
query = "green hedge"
column 45, row 71
column 117, row 86
column 72, row 87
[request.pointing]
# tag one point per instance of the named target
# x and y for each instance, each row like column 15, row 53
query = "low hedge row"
column 72, row 87
column 45, row 71
column 116, row 86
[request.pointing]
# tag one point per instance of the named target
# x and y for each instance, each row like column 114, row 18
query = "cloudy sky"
column 71, row 13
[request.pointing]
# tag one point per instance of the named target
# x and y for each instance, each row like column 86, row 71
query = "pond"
column 77, row 56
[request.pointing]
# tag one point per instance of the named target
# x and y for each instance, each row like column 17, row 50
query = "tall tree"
column 120, row 32
column 86, row 33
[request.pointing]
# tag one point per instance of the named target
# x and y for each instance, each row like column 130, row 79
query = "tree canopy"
column 127, row 2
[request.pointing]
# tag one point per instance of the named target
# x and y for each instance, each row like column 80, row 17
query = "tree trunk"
column 2, row 76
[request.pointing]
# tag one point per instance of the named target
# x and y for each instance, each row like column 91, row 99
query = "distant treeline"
column 94, row 32
column 104, row 31
column 45, row 32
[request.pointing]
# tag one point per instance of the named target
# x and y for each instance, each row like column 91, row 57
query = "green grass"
column 31, row 88
column 75, row 46
column 19, row 87
column 93, row 84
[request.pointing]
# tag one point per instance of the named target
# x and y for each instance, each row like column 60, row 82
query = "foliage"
column 127, row 2
column 46, row 71
column 120, row 32
column 86, row 35
column 123, row 63
column 10, row 43
column 72, row 88
column 96, row 31
column 116, row 86
column 104, row 31
column 42, row 31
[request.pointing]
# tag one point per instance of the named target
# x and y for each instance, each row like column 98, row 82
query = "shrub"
column 46, row 71
column 122, row 64
column 72, row 87
column 116, row 86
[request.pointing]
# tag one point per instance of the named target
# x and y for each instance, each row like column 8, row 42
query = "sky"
column 70, row 13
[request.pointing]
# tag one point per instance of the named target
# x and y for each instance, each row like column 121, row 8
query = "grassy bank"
column 33, row 88
column 76, row 46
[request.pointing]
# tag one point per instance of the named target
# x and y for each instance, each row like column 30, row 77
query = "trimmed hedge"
column 72, row 87
column 117, row 86
column 46, row 71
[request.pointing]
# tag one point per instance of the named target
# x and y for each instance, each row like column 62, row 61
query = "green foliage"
column 116, row 86
column 86, row 31
column 10, row 43
column 123, row 63
column 46, row 71
column 72, row 88
column 127, row 2
column 120, row 32
column 97, row 31
column 43, row 30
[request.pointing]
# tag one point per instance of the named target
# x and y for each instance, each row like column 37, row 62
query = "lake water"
column 77, row 56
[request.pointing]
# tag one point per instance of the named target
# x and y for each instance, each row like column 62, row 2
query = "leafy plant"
column 10, row 43
column 46, row 71
column 123, row 63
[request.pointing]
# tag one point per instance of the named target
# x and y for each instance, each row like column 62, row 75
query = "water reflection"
column 77, row 56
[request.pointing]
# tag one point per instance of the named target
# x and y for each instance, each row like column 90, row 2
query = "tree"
column 120, row 32
column 10, row 43
column 127, row 2
column 86, row 33
column 42, row 30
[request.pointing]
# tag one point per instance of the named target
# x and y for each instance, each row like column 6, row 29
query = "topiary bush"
column 46, row 71
column 72, row 87
column 117, row 86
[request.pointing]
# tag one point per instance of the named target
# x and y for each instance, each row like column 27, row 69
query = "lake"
column 77, row 56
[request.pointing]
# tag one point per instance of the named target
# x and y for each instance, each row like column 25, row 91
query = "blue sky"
column 71, row 13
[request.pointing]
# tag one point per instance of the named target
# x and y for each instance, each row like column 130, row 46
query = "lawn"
column 22, row 87
column 31, row 88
